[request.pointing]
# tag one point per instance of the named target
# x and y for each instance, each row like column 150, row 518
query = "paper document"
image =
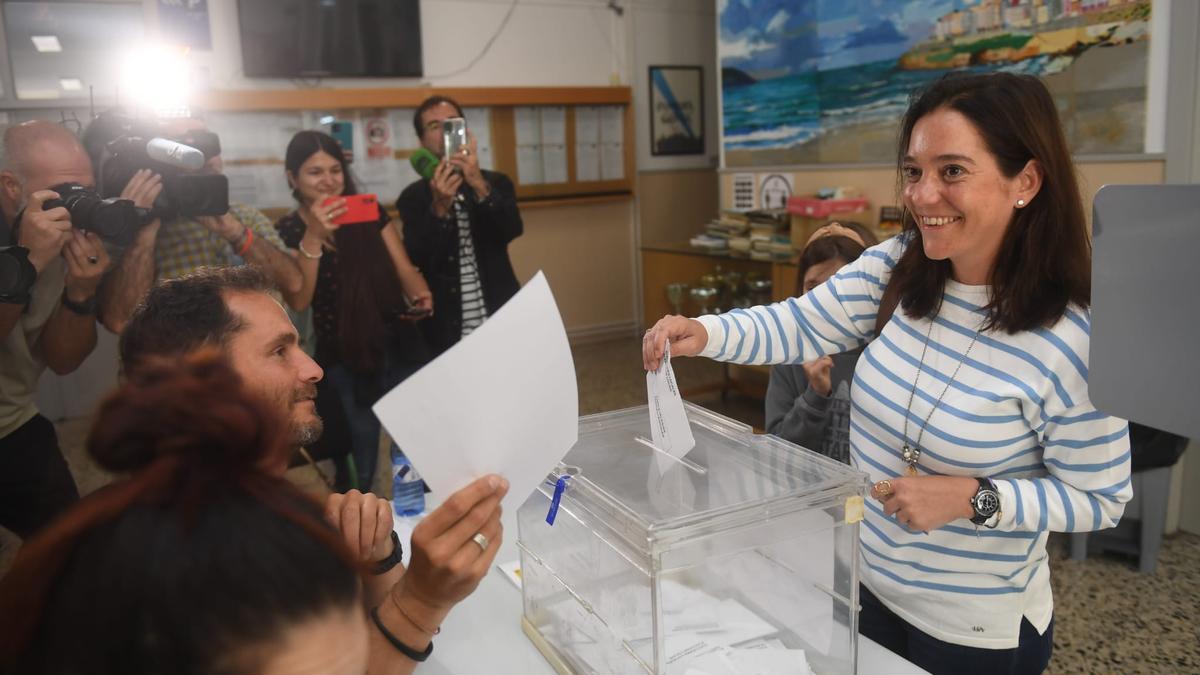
column 503, row 400
column 669, row 427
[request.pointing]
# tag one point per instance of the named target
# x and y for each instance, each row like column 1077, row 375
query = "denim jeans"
column 364, row 426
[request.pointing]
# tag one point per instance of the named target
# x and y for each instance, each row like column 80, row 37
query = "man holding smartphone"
column 458, row 223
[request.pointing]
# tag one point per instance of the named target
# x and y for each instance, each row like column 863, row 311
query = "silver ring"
column 482, row 540
column 93, row 259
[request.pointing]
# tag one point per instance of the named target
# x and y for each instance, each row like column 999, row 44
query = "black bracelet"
column 404, row 649
column 384, row 566
column 85, row 308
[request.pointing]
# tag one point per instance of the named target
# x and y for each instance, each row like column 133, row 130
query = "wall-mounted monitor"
column 330, row 38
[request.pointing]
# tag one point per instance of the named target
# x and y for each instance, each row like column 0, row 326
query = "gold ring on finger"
column 884, row 488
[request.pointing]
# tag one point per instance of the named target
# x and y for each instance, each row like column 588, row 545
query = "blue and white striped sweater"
column 1018, row 412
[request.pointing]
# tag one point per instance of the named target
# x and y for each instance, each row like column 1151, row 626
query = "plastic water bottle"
column 408, row 490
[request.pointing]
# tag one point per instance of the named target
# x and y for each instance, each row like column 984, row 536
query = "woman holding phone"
column 364, row 291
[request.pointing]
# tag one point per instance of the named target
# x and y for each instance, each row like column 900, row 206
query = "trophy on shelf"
column 760, row 290
column 675, row 295
column 702, row 294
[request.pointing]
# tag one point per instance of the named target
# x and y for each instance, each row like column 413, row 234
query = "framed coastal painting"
column 826, row 81
column 676, row 110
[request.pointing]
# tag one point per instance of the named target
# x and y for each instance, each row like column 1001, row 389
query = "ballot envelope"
column 741, row 556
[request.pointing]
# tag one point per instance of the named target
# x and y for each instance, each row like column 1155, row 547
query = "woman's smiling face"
column 960, row 199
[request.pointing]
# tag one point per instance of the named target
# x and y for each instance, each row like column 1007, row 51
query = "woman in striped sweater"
column 970, row 411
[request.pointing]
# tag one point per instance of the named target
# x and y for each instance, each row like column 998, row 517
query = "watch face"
column 987, row 502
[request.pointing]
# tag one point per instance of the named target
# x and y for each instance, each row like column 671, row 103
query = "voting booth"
column 739, row 556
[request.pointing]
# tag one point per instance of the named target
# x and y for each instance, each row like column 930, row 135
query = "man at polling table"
column 453, row 546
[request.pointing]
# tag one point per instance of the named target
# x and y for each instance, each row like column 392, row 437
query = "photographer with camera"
column 198, row 228
column 458, row 222
column 50, row 268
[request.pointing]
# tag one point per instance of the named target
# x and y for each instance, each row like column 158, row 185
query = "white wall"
column 674, row 33
column 544, row 43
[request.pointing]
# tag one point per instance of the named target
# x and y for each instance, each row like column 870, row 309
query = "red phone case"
column 359, row 209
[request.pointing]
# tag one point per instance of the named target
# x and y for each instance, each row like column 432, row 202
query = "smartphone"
column 454, row 136
column 343, row 133
column 359, row 209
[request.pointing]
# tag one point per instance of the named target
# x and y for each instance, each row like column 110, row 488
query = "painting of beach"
column 826, row 81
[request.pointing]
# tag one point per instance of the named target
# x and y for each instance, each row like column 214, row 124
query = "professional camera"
column 120, row 146
column 113, row 220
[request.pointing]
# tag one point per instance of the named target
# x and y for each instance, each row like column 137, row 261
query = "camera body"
column 114, row 220
column 121, row 146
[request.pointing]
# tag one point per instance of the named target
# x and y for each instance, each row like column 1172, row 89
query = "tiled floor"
column 1108, row 617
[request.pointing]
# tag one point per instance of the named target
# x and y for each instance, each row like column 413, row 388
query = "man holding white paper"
column 231, row 309
column 469, row 413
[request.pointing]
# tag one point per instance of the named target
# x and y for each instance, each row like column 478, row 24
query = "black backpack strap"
column 887, row 306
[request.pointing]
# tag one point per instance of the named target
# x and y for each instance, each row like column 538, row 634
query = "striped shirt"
column 1018, row 412
column 474, row 311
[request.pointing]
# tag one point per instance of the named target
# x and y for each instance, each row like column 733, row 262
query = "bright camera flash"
column 157, row 77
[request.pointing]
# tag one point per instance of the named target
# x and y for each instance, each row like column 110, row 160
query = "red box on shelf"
column 809, row 213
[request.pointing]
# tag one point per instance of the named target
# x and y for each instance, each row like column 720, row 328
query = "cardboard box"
column 808, row 214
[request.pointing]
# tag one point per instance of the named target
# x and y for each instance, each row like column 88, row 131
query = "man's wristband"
column 85, row 308
column 404, row 649
column 384, row 566
column 246, row 243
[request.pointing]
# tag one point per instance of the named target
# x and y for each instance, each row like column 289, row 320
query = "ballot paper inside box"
column 739, row 558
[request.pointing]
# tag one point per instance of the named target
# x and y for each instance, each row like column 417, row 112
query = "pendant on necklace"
column 910, row 457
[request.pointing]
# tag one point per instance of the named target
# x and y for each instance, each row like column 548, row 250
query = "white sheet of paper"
column 554, row 163
column 529, row 125
column 612, row 161
column 612, row 124
column 587, row 124
column 587, row 162
column 529, row 164
column 503, row 400
column 554, row 125
column 512, row 572
column 479, row 123
column 669, row 427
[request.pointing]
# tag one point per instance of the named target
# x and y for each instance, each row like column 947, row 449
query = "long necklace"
column 912, row 454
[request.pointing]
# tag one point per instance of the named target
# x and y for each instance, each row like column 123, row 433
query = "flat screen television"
column 330, row 38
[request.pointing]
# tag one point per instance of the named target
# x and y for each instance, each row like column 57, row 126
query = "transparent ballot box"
column 739, row 558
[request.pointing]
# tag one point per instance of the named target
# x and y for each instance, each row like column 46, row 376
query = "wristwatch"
column 17, row 275
column 986, row 502
column 384, row 566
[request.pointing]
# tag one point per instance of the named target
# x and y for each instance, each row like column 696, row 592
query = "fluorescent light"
column 328, row 119
column 46, row 43
column 70, row 83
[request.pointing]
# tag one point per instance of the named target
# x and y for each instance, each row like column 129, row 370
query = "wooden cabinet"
column 669, row 263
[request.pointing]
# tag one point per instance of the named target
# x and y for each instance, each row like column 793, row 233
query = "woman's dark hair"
column 369, row 291
column 1044, row 261
column 194, row 561
column 428, row 103
column 833, row 247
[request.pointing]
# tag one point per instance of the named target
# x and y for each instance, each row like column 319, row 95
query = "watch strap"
column 986, row 488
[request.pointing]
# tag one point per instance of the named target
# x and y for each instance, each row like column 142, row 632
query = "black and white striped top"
column 474, row 312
